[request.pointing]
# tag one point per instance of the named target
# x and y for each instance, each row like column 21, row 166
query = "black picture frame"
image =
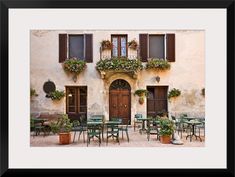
column 229, row 5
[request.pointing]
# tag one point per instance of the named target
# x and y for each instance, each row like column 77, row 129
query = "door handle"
column 125, row 106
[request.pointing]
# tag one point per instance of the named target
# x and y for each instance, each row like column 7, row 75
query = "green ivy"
column 158, row 64
column 74, row 65
column 119, row 63
column 56, row 95
column 166, row 127
column 174, row 93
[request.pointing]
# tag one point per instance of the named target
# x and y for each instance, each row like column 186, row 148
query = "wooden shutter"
column 170, row 43
column 89, row 48
column 143, row 38
column 62, row 47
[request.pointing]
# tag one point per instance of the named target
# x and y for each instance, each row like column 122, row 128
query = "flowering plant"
column 106, row 44
column 158, row 64
column 74, row 65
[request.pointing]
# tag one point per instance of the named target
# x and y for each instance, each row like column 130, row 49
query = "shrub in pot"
column 63, row 127
column 141, row 93
column 166, row 130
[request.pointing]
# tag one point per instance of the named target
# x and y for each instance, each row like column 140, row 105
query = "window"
column 156, row 46
column 119, row 45
column 76, row 100
column 156, row 100
column 76, row 45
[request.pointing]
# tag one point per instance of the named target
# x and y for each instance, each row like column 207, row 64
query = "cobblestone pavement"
column 136, row 140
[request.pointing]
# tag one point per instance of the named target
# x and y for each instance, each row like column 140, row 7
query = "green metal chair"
column 77, row 127
column 37, row 127
column 124, row 128
column 92, row 132
column 112, row 131
column 136, row 121
column 153, row 128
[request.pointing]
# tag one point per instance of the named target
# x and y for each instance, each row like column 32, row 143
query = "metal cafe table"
column 143, row 123
column 193, row 122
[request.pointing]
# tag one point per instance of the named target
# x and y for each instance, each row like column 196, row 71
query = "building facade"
column 111, row 93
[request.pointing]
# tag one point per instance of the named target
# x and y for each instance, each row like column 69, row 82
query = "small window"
column 157, row 46
column 119, row 45
column 76, row 46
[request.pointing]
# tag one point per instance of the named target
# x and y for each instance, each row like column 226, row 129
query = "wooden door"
column 157, row 100
column 119, row 105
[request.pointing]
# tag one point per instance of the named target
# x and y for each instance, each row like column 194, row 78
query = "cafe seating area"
column 98, row 132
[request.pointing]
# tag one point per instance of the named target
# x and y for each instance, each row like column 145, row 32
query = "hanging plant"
column 141, row 93
column 158, row 64
column 75, row 66
column 33, row 92
column 133, row 44
column 106, row 45
column 56, row 95
column 174, row 93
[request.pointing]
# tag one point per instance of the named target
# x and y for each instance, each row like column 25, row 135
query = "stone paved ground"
column 136, row 140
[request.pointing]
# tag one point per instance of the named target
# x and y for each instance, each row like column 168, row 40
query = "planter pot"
column 165, row 139
column 141, row 100
column 64, row 138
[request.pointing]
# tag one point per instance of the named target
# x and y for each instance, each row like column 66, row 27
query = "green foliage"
column 141, row 92
column 174, row 93
column 56, row 95
column 33, row 92
column 133, row 44
column 106, row 44
column 119, row 63
column 166, row 127
column 63, row 125
column 158, row 64
column 74, row 65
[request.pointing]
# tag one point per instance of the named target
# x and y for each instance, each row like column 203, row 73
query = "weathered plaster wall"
column 186, row 74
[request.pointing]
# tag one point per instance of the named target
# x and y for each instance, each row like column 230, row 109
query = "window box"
column 158, row 64
column 108, row 67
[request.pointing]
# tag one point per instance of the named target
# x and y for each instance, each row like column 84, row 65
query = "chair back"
column 138, row 115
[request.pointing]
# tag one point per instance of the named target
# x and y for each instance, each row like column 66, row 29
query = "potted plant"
column 174, row 93
column 166, row 130
column 63, row 127
column 141, row 93
column 133, row 44
column 74, row 66
column 106, row 44
column 56, row 95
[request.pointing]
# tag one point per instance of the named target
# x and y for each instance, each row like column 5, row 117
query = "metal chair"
column 124, row 128
column 152, row 128
column 92, row 132
column 136, row 121
column 112, row 131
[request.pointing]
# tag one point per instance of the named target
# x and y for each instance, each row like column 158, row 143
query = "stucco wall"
column 187, row 73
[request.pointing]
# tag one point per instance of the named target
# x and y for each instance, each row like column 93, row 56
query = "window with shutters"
column 76, row 100
column 157, row 46
column 160, row 46
column 76, row 45
column 156, row 100
column 119, row 45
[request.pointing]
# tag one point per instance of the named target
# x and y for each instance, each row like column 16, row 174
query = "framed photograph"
column 117, row 86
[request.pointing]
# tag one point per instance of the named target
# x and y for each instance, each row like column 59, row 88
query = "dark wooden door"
column 157, row 100
column 119, row 104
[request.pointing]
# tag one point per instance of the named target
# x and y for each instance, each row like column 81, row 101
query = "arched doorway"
column 120, row 100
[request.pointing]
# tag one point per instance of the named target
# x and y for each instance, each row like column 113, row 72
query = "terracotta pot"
column 64, row 138
column 165, row 139
column 141, row 100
